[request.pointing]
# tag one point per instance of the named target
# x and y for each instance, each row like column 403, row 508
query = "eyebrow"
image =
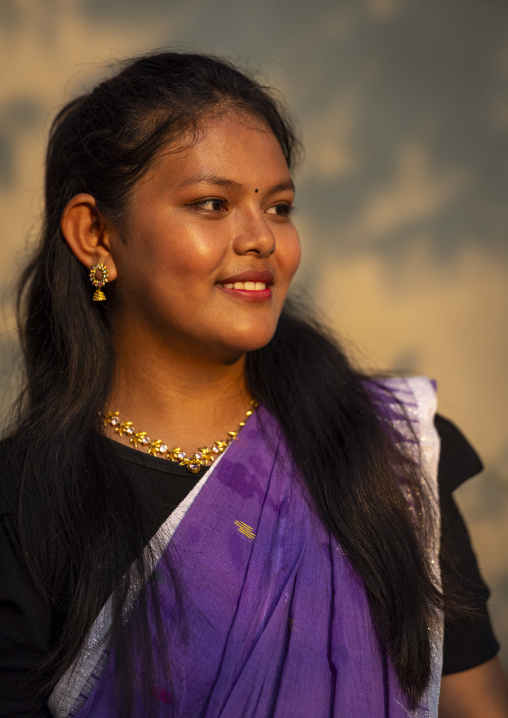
column 232, row 185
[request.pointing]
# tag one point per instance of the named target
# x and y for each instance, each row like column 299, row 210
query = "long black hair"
column 74, row 504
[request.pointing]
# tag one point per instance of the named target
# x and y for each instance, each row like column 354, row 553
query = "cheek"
column 297, row 256
column 189, row 252
column 179, row 256
column 290, row 260
column 192, row 260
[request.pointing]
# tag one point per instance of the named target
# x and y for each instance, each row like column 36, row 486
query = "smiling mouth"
column 246, row 286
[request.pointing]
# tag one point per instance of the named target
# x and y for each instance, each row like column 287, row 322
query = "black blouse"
column 29, row 625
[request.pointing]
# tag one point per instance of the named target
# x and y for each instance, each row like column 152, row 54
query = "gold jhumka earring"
column 99, row 282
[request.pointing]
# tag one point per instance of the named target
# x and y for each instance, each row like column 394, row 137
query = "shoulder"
column 458, row 460
column 408, row 404
column 411, row 391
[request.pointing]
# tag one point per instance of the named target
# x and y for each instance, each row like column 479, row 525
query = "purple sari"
column 279, row 623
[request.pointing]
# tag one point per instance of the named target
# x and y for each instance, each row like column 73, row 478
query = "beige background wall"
column 402, row 198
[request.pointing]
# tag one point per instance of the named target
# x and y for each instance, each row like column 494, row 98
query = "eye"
column 211, row 205
column 281, row 210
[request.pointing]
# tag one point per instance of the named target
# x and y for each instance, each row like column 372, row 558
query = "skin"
column 194, row 220
column 180, row 339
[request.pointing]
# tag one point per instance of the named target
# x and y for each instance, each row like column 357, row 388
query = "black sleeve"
column 468, row 642
column 25, row 631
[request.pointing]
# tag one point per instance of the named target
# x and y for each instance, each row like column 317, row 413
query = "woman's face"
column 209, row 247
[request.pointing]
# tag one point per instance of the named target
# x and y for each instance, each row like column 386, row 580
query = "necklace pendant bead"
column 154, row 447
column 124, row 427
column 108, row 417
column 193, row 468
column 139, row 438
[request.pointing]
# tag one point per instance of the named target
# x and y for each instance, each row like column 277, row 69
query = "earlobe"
column 87, row 233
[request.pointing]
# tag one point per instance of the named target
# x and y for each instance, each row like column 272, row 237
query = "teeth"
column 249, row 286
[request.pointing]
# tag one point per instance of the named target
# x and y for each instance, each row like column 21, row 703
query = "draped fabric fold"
column 278, row 621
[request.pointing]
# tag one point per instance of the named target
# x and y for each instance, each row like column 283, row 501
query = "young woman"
column 206, row 510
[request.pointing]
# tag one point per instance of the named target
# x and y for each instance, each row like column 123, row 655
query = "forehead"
column 235, row 145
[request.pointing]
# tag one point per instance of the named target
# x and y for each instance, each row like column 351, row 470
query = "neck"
column 187, row 401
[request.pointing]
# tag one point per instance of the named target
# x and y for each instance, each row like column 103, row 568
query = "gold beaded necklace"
column 201, row 457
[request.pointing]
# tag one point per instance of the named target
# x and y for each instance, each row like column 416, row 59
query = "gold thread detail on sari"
column 245, row 530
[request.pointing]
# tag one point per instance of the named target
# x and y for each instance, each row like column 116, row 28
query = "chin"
column 245, row 341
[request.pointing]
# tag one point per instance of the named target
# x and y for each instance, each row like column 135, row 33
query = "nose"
column 255, row 237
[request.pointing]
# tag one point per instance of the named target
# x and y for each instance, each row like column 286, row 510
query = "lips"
column 249, row 276
column 250, row 281
column 246, row 286
column 251, row 284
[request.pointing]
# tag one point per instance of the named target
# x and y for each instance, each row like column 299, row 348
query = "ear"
column 87, row 233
